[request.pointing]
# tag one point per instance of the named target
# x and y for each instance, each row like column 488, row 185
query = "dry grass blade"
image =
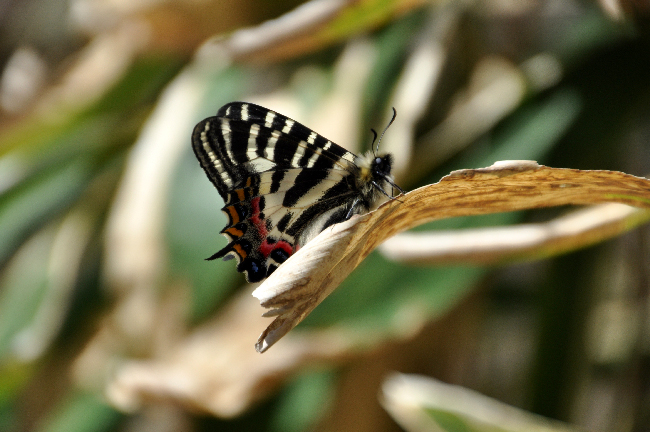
column 578, row 229
column 310, row 275
column 312, row 25
column 411, row 400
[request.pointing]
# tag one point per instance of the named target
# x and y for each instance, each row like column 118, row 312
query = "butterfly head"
column 382, row 165
column 375, row 179
column 376, row 168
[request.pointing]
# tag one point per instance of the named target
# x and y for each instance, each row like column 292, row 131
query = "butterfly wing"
column 281, row 182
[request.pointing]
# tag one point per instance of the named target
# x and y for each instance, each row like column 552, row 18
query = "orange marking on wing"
column 240, row 194
column 234, row 216
column 235, row 232
column 240, row 251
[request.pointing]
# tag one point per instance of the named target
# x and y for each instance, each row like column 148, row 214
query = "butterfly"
column 282, row 183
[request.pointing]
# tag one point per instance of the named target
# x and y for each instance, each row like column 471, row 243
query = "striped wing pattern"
column 281, row 182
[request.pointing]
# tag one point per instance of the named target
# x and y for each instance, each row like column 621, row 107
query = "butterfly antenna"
column 386, row 128
column 372, row 144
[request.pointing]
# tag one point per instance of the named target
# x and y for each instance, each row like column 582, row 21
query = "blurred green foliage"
column 595, row 117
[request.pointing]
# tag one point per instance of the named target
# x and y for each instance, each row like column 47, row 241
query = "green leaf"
column 81, row 412
column 304, row 401
column 38, row 200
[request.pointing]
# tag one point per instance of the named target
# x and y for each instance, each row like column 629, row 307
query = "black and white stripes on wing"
column 282, row 183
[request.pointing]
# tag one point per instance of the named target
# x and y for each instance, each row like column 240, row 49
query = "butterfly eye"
column 381, row 165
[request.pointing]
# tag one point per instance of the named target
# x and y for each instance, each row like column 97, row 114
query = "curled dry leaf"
column 311, row 274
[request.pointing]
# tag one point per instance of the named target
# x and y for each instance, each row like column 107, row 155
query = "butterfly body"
column 282, row 183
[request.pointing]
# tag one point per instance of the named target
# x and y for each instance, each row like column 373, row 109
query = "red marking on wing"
column 286, row 246
column 255, row 218
column 266, row 248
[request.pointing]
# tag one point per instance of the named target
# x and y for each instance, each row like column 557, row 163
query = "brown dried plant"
column 309, row 276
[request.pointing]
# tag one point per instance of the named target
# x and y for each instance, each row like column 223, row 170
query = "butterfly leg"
column 398, row 188
column 354, row 204
column 384, row 192
column 381, row 190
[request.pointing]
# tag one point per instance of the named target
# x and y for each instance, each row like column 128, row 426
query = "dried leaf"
column 311, row 274
column 214, row 370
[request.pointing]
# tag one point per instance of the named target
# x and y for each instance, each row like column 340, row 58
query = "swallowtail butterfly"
column 282, row 183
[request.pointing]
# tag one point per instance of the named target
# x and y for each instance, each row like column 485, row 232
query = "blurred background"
column 110, row 319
